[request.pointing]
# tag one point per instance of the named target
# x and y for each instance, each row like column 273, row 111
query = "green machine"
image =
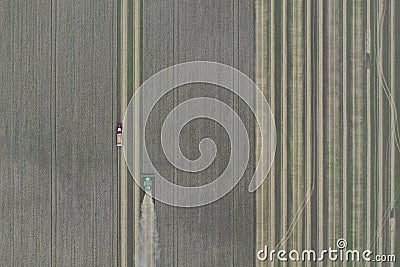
column 148, row 183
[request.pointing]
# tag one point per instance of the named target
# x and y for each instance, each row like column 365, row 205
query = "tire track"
column 334, row 127
column 393, row 125
column 123, row 168
column 309, row 163
column 357, row 126
column 284, row 162
column 137, row 72
column 273, row 215
column 320, row 127
column 344, row 116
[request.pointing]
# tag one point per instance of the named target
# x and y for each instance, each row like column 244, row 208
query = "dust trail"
column 149, row 251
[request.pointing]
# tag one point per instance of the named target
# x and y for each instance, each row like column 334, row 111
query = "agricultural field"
column 75, row 189
column 328, row 68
